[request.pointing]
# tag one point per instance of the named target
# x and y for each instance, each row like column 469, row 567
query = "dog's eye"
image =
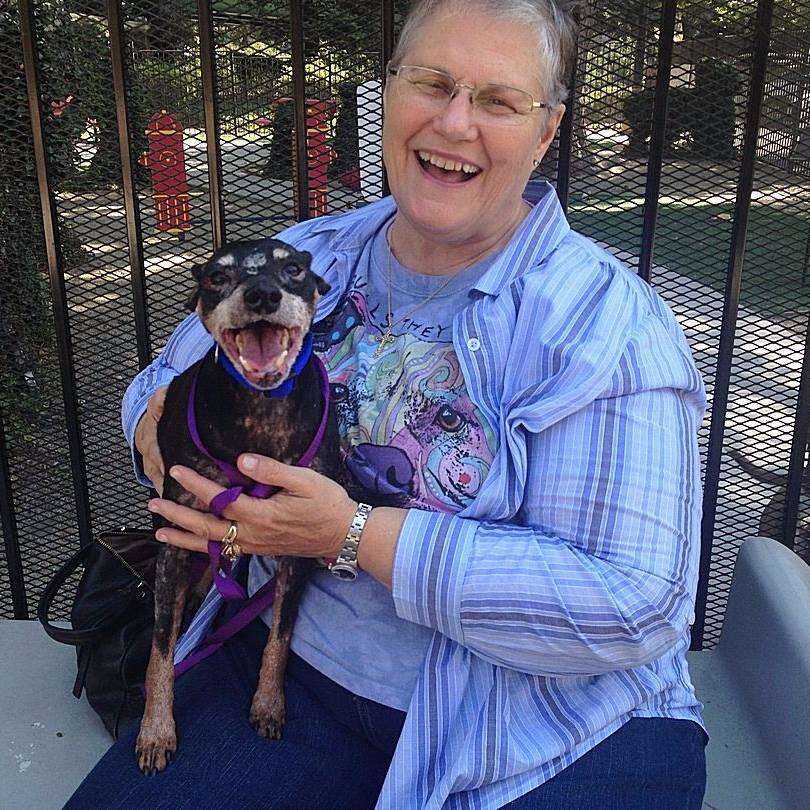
column 449, row 419
column 216, row 279
column 293, row 270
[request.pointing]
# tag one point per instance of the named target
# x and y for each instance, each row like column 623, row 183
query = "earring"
column 535, row 163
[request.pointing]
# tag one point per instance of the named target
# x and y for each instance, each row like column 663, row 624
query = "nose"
column 456, row 120
column 260, row 297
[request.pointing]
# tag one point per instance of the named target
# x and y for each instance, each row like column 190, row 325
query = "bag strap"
column 67, row 635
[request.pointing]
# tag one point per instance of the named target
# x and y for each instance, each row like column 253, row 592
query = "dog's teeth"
column 280, row 361
column 245, row 364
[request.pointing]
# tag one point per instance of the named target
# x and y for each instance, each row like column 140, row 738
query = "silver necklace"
column 388, row 338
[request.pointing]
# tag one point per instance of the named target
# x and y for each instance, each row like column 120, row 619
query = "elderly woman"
column 526, row 410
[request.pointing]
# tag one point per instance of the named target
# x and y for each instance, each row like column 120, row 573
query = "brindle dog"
column 256, row 298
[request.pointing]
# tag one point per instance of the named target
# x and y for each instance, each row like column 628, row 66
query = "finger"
column 267, row 470
column 202, row 524
column 181, row 539
column 206, row 490
column 155, row 476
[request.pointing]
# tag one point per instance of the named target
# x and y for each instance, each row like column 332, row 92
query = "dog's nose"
column 258, row 298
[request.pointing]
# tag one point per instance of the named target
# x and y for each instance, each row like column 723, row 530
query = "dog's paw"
column 268, row 718
column 155, row 749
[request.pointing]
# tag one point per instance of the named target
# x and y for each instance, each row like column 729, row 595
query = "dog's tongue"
column 261, row 347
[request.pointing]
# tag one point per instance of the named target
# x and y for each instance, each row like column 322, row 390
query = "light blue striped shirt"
column 562, row 595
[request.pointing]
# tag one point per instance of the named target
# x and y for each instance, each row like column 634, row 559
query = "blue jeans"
column 337, row 746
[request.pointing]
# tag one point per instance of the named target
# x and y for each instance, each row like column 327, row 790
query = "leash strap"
column 241, row 483
column 227, row 586
column 260, row 601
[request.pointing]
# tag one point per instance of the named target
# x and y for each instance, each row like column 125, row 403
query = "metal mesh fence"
column 41, row 486
column 186, row 162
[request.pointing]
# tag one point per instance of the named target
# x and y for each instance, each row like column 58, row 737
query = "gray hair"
column 553, row 21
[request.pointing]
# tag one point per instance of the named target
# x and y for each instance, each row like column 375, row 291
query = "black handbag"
column 112, row 618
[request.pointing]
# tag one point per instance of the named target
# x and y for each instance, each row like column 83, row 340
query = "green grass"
column 695, row 240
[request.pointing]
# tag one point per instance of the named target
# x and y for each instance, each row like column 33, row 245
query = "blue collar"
column 287, row 386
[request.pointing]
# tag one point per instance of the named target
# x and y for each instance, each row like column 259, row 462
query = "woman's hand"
column 146, row 442
column 308, row 517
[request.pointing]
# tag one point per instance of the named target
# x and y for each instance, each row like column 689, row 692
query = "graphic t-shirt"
column 410, row 437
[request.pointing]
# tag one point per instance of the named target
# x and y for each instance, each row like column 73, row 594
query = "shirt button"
column 473, row 344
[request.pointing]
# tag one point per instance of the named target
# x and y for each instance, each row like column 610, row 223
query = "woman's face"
column 475, row 49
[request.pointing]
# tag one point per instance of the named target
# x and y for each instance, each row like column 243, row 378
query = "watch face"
column 343, row 571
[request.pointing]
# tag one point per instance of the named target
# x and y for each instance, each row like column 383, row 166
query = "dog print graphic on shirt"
column 410, row 434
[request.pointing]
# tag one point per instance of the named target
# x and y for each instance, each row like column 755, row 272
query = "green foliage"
column 705, row 114
column 25, row 334
column 28, row 357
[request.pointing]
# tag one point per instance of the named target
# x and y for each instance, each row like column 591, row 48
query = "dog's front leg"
column 268, row 711
column 157, row 740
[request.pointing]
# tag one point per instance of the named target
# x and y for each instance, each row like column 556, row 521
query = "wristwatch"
column 345, row 565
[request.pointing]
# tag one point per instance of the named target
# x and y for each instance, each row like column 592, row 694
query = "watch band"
column 345, row 565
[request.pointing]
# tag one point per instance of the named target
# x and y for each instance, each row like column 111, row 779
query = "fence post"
column 798, row 447
column 565, row 144
column 56, row 276
column 212, row 146
column 656, row 159
column 131, row 207
column 10, row 537
column 761, row 43
column 387, row 50
column 300, row 94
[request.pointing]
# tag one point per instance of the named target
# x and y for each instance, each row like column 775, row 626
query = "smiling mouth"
column 262, row 351
column 449, row 171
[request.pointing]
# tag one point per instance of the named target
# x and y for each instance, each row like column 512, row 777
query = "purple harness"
column 227, row 586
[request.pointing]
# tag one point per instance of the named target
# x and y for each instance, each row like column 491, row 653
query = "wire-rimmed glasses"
column 493, row 103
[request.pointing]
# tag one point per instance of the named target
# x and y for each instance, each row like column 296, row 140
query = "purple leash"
column 227, row 586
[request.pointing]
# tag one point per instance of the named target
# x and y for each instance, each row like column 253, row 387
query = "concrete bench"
column 49, row 741
column 755, row 686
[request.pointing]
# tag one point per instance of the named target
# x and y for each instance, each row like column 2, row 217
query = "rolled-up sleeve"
column 599, row 568
column 187, row 344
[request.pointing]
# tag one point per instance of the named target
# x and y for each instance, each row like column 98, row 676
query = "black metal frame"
column 209, row 92
column 218, row 236
column 656, row 159
column 762, row 35
column 131, row 207
column 56, row 277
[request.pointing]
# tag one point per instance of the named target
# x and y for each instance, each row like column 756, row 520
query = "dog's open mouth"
column 262, row 351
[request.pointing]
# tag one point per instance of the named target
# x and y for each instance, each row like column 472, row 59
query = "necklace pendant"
column 383, row 340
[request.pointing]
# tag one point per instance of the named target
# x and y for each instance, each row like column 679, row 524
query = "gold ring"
column 230, row 548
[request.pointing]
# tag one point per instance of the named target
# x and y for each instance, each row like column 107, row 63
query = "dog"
column 257, row 299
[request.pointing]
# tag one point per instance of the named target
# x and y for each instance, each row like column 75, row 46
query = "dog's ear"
column 197, row 270
column 322, row 286
column 193, row 300
column 305, row 258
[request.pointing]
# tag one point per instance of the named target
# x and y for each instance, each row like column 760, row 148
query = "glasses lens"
column 501, row 101
column 429, row 83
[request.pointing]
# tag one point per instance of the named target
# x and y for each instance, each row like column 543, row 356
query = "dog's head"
column 257, row 298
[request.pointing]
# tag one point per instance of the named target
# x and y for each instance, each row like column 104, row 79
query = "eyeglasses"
column 494, row 103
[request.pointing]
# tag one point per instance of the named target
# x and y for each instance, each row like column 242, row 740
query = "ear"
column 305, row 257
column 193, row 300
column 552, row 125
column 198, row 270
column 322, row 286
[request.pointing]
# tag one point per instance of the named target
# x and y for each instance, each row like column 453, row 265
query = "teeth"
column 245, row 365
column 449, row 165
column 281, row 358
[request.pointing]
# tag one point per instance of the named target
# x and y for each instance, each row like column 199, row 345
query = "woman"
column 528, row 408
